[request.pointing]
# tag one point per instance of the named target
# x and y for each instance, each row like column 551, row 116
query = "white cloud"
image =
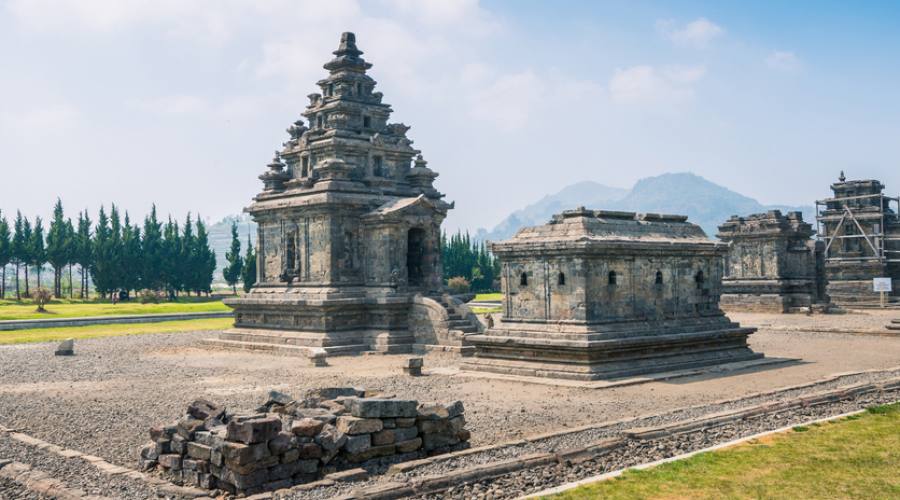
column 39, row 124
column 783, row 60
column 649, row 84
column 697, row 33
column 172, row 105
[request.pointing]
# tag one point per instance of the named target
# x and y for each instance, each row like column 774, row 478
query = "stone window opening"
column 523, row 279
column 304, row 166
column 320, row 121
column 330, row 89
column 659, row 277
column 359, row 89
column 561, row 279
column 367, row 122
column 699, row 279
column 612, row 278
column 377, row 166
column 415, row 256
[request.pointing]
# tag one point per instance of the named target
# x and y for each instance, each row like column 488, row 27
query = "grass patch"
column 488, row 297
column 95, row 331
column 486, row 310
column 849, row 458
column 11, row 310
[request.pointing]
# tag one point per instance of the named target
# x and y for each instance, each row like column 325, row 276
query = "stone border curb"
column 415, row 464
column 26, row 324
column 616, row 473
column 440, row 482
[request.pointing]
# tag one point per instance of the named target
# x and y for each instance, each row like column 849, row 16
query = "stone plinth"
column 772, row 264
column 598, row 295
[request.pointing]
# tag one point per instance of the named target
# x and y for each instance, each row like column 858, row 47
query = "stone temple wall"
column 289, row 442
column 772, row 265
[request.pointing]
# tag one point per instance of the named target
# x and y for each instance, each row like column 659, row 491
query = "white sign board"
column 881, row 284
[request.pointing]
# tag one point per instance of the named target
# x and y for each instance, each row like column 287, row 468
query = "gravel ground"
column 10, row 490
column 103, row 400
column 75, row 474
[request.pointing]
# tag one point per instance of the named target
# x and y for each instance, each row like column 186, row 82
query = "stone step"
column 292, row 350
column 300, row 339
column 893, row 326
column 455, row 317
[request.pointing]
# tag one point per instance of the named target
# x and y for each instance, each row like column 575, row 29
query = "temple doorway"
column 415, row 256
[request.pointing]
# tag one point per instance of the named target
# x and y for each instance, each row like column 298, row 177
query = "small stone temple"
column 772, row 264
column 860, row 227
column 349, row 227
column 597, row 294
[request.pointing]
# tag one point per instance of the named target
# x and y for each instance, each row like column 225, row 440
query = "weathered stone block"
column 381, row 408
column 307, row 427
column 432, row 442
column 383, row 437
column 188, row 426
column 202, row 409
column 281, row 443
column 290, row 456
column 310, row 450
column 162, row 432
column 170, row 461
column 330, row 438
column 405, row 433
column 198, row 451
column 409, row 445
column 242, row 454
column 196, row 465
column 178, row 444
column 357, row 444
column 253, row 430
column 355, row 425
column 405, row 422
column 244, row 481
column 370, row 453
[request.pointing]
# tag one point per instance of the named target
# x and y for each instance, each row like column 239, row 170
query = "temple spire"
column 347, row 56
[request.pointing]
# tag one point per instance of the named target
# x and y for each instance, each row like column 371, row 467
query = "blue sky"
column 182, row 103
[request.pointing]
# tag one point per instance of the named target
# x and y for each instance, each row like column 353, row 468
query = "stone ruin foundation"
column 772, row 264
column 597, row 294
column 288, row 442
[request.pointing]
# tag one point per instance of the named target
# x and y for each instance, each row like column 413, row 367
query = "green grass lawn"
column 855, row 457
column 94, row 331
column 486, row 310
column 10, row 309
column 491, row 297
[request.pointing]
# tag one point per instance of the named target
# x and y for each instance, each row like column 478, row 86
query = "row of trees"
column 114, row 254
column 463, row 257
column 239, row 268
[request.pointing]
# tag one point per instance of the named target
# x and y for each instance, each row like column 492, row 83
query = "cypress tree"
column 58, row 245
column 102, row 255
column 152, row 253
column 84, row 250
column 71, row 253
column 18, row 250
column 25, row 252
column 131, row 263
column 5, row 253
column 203, row 260
column 38, row 250
column 234, row 269
column 116, row 254
column 248, row 275
column 171, row 257
column 186, row 254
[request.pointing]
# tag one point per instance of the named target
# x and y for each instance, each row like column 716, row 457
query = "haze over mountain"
column 704, row 202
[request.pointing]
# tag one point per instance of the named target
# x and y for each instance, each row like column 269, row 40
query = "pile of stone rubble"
column 290, row 441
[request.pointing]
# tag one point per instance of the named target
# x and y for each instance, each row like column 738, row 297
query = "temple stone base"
column 621, row 350
column 856, row 292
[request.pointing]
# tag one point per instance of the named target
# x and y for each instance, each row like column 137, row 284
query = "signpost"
column 882, row 286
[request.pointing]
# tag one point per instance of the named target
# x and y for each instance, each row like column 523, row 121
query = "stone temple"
column 349, row 227
column 598, row 294
column 860, row 227
column 772, row 265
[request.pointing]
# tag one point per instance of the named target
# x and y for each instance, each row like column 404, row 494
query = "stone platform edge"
column 24, row 324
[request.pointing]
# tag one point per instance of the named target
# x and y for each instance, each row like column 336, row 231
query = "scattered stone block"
column 66, row 348
column 414, row 367
column 307, row 427
column 357, row 444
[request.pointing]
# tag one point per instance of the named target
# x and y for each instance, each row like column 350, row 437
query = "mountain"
column 705, row 203
column 585, row 193
column 220, row 239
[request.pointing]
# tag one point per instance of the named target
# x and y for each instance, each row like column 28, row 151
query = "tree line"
column 465, row 258
column 114, row 254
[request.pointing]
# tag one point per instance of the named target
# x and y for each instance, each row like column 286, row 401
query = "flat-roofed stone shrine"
column 772, row 265
column 598, row 294
column 349, row 232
